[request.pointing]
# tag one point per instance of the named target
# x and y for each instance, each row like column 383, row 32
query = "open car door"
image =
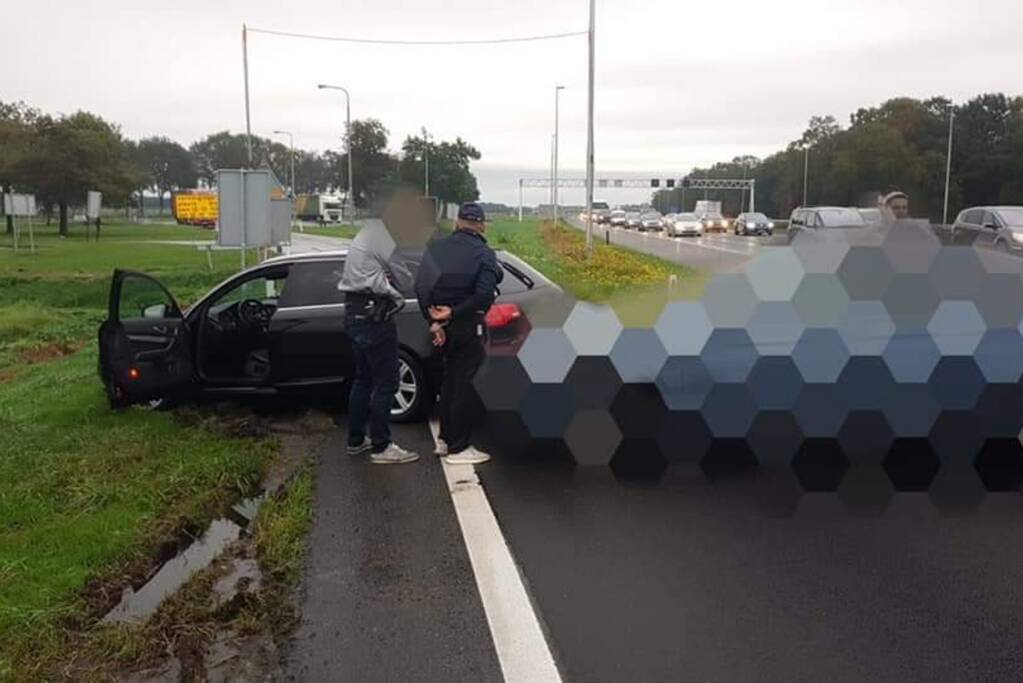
column 145, row 350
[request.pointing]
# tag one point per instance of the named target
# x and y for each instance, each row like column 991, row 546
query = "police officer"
column 457, row 283
column 371, row 301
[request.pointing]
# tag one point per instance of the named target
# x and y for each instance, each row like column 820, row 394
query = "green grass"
column 281, row 529
column 621, row 277
column 344, row 231
column 89, row 494
column 88, row 491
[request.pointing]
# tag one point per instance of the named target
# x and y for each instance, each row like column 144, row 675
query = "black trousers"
column 464, row 352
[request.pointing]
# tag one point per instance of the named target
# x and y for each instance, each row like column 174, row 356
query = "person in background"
column 895, row 206
column 456, row 285
column 371, row 301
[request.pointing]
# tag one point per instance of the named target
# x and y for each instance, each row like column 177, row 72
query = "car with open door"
column 278, row 327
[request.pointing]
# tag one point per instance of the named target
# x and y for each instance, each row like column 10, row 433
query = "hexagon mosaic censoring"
column 862, row 363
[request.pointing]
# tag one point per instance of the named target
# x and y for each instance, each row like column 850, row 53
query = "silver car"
column 1000, row 227
column 632, row 220
column 618, row 218
column 651, row 220
column 685, row 224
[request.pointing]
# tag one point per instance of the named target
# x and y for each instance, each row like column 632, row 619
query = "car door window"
column 989, row 219
column 974, row 217
column 314, row 284
column 267, row 287
column 142, row 298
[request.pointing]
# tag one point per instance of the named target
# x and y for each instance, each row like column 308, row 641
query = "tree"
column 374, row 169
column 16, row 121
column 73, row 154
column 168, row 165
column 221, row 150
column 451, row 180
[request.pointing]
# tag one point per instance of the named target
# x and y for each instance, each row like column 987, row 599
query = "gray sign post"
column 245, row 216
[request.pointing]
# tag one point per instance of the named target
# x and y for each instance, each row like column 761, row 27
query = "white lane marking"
column 522, row 649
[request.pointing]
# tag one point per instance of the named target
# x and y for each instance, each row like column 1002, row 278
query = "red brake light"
column 133, row 373
column 502, row 315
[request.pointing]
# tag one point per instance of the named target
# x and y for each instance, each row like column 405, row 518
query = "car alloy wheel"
column 405, row 398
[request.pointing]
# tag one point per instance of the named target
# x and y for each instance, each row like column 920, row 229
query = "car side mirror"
column 155, row 311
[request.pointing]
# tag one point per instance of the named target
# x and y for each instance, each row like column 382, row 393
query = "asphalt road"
column 690, row 581
column 714, row 252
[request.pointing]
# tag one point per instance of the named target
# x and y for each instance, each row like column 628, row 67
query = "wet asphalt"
column 388, row 592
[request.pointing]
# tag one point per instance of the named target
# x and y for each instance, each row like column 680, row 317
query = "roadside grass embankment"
column 90, row 496
column 342, row 231
column 636, row 285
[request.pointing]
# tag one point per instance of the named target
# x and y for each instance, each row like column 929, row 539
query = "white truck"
column 322, row 208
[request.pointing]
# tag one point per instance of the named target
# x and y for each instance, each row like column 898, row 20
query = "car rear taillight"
column 502, row 315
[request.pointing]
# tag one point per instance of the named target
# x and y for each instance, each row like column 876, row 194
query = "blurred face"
column 899, row 206
column 472, row 225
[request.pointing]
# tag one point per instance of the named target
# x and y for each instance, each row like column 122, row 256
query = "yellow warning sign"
column 195, row 208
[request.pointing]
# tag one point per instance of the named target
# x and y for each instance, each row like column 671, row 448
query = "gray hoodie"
column 367, row 267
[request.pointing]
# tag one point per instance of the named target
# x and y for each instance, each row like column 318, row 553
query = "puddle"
column 138, row 605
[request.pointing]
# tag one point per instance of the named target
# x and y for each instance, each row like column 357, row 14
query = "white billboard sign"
column 93, row 204
column 20, row 204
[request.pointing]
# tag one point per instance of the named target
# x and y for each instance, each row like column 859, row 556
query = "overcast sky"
column 678, row 83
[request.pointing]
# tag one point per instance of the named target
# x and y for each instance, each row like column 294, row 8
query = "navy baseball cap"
column 471, row 211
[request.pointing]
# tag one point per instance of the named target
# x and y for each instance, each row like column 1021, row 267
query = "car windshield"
column 651, row 216
column 332, row 205
column 686, row 217
column 758, row 217
column 840, row 218
column 1013, row 217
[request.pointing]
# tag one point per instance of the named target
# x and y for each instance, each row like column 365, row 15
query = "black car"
column 753, row 224
column 277, row 327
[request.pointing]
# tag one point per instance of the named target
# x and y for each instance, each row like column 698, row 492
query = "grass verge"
column 344, row 231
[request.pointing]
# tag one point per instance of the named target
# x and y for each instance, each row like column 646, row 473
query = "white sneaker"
column 442, row 448
column 394, row 455
column 470, row 456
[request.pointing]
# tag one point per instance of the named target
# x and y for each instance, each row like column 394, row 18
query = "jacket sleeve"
column 487, row 277
column 425, row 281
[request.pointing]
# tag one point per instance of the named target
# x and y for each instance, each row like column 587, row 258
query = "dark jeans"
column 464, row 352
column 376, row 381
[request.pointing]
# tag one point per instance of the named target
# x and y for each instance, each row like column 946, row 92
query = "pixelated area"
column 860, row 362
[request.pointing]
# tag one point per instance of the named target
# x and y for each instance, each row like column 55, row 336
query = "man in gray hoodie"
column 371, row 301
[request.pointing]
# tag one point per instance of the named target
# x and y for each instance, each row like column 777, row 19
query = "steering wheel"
column 253, row 313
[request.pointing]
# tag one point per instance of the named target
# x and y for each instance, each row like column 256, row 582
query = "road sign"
column 19, row 204
column 93, row 204
column 243, row 208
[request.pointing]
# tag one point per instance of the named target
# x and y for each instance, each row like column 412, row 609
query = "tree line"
column 59, row 158
column 900, row 145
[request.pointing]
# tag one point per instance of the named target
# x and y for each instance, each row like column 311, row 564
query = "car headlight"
column 1018, row 236
column 770, row 225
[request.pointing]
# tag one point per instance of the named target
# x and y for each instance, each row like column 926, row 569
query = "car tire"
column 415, row 402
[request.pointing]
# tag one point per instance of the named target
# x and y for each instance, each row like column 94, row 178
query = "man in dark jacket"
column 457, row 283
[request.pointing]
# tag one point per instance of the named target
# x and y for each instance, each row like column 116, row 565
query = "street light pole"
column 348, row 137
column 426, row 161
column 589, row 130
column 948, row 164
column 557, row 92
column 806, row 170
column 291, row 143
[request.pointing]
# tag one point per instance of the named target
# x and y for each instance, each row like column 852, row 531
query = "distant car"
column 633, row 220
column 870, row 216
column 685, row 224
column 601, row 212
column 996, row 226
column 714, row 222
column 753, row 224
column 668, row 219
column 825, row 217
column 651, row 220
column 618, row 218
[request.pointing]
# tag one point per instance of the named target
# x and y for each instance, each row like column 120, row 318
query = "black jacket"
column 460, row 271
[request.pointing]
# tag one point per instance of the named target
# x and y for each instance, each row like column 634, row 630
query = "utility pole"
column 291, row 143
column 245, row 67
column 557, row 92
column 426, row 161
column 948, row 163
column 806, row 170
column 348, row 138
column 589, row 129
